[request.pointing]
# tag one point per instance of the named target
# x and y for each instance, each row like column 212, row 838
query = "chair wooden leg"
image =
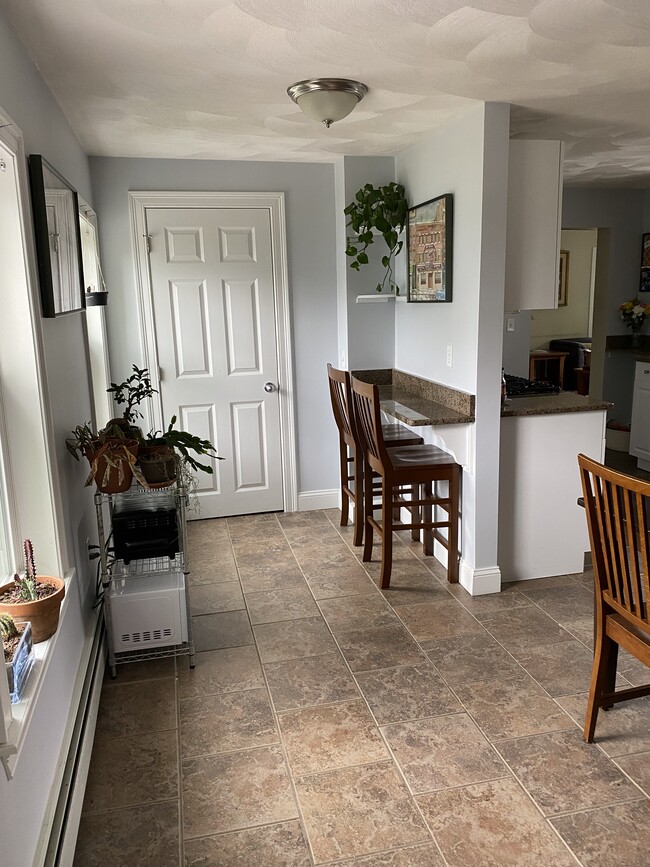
column 610, row 673
column 427, row 518
column 345, row 500
column 386, row 537
column 599, row 675
column 359, row 494
column 415, row 513
column 452, row 538
column 367, row 528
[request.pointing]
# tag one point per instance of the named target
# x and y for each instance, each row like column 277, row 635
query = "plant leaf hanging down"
column 384, row 210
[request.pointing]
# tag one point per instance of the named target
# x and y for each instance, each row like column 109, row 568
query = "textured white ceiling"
column 208, row 78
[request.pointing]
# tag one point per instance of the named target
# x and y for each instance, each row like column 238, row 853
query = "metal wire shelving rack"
column 172, row 497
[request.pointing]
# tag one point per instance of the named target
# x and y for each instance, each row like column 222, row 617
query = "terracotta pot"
column 157, row 464
column 113, row 485
column 43, row 613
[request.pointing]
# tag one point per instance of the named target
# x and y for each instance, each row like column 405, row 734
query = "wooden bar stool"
column 350, row 453
column 420, row 467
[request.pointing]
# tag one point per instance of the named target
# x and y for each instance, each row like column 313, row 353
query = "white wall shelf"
column 378, row 297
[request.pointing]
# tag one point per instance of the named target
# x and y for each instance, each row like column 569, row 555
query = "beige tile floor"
column 327, row 722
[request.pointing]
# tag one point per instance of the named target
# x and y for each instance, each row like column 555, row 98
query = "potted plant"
column 33, row 598
column 130, row 393
column 18, row 653
column 111, row 454
column 158, row 461
column 161, row 454
column 383, row 210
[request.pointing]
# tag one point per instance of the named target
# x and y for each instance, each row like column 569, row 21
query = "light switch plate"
column 510, row 323
column 450, row 355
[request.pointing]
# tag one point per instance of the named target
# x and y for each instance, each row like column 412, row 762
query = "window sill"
column 23, row 710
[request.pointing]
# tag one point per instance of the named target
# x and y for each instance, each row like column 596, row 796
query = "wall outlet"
column 510, row 323
column 450, row 355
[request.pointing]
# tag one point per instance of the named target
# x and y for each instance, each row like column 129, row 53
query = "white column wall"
column 469, row 159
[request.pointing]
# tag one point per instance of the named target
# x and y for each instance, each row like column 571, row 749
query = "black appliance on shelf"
column 141, row 533
column 517, row 386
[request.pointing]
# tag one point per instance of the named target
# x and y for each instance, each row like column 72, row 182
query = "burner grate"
column 517, row 386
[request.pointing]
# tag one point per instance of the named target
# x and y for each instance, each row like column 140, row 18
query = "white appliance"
column 148, row 611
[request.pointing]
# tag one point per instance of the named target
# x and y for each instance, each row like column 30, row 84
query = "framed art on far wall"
column 644, row 285
column 430, row 236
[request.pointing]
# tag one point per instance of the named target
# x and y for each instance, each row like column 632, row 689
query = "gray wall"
column 369, row 334
column 31, row 106
column 309, row 192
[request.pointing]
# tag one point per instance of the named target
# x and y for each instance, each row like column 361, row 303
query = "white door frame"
column 139, row 202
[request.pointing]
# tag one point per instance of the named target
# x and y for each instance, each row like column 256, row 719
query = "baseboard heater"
column 65, row 824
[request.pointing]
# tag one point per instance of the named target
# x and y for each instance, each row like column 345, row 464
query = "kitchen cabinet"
column 640, row 430
column 535, row 174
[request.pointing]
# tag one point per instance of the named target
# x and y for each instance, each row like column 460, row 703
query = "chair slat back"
column 367, row 413
column 341, row 395
column 617, row 508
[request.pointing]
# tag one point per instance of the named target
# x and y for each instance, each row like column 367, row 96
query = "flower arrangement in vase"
column 634, row 314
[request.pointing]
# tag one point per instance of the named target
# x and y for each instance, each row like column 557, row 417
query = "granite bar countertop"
column 416, row 402
column 552, row 404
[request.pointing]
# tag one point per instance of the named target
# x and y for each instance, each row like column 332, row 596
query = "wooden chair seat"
column 416, row 469
column 404, row 457
column 350, row 457
column 617, row 518
column 397, row 434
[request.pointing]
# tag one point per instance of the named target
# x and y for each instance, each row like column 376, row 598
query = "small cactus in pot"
column 33, row 597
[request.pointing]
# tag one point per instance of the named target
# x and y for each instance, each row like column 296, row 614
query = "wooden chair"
column 419, row 467
column 618, row 508
column 350, row 454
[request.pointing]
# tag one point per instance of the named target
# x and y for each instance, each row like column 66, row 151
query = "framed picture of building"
column 644, row 285
column 430, row 234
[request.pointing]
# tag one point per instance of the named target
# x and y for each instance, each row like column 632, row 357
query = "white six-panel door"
column 212, row 288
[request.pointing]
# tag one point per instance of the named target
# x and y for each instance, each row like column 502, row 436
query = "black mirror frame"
column 41, row 237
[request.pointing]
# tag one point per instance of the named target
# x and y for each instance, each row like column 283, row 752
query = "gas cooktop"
column 517, row 386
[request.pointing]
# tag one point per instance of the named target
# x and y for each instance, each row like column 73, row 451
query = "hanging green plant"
column 385, row 210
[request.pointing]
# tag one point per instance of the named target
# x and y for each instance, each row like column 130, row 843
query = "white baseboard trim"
column 479, row 582
column 308, row 501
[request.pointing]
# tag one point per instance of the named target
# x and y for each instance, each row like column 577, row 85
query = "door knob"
column 269, row 386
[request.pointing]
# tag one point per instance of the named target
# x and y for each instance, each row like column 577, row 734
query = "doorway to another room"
column 561, row 339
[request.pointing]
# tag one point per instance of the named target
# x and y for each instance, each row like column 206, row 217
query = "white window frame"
column 29, row 458
column 95, row 324
column 8, row 537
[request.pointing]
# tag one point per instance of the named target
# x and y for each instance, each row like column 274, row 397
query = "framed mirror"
column 58, row 242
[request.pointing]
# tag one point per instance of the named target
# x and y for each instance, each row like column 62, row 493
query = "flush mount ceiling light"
column 327, row 99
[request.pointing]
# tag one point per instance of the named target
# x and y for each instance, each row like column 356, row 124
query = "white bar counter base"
column 542, row 530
